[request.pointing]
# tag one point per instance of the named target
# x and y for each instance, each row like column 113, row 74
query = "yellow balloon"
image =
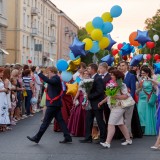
column 107, row 17
column 89, row 27
column 104, row 43
column 72, row 89
column 77, row 62
column 88, row 43
column 72, row 67
column 96, row 34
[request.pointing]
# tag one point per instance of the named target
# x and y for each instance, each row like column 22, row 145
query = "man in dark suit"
column 95, row 96
column 103, row 70
column 53, row 103
column 130, row 81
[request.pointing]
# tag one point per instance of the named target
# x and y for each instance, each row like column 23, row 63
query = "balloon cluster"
column 99, row 29
column 67, row 67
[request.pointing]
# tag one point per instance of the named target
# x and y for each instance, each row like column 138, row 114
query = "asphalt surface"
column 15, row 146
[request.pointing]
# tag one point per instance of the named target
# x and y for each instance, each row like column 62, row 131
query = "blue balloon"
column 136, row 60
column 97, row 22
column 78, row 48
column 133, row 50
column 108, row 59
column 95, row 48
column 72, row 57
column 66, row 76
column 116, row 11
column 126, row 49
column 62, row 65
column 112, row 42
column 107, row 27
column 156, row 68
column 142, row 37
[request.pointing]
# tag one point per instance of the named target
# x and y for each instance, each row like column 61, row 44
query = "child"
column 13, row 99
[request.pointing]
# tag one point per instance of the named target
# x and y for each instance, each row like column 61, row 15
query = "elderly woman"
column 116, row 116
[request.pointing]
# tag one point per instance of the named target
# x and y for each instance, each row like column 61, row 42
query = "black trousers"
column 53, row 112
column 90, row 114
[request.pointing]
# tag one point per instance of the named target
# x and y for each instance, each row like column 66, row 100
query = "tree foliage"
column 153, row 26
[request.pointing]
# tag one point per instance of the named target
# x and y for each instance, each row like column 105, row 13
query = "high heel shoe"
column 155, row 148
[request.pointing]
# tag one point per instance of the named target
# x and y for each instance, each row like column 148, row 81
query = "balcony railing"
column 34, row 11
column 53, row 23
column 53, row 39
column 34, row 32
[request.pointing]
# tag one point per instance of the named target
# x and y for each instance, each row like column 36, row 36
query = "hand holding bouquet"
column 112, row 88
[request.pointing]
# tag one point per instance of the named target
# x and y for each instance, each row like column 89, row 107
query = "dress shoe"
column 86, row 141
column 33, row 139
column 127, row 142
column 155, row 148
column 105, row 144
column 66, row 141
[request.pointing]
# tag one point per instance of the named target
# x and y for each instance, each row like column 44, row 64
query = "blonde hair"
column 14, row 73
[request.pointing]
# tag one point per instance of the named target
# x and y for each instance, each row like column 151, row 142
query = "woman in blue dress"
column 157, row 143
column 147, row 103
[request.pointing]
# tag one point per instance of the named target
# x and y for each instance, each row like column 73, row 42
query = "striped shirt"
column 26, row 82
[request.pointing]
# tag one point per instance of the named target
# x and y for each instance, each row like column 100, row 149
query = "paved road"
column 15, row 146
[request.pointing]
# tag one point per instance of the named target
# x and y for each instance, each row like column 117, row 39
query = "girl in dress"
column 147, row 103
column 13, row 100
column 157, row 143
column 76, row 124
column 4, row 114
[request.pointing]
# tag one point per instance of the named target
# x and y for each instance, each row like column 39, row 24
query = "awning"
column 4, row 51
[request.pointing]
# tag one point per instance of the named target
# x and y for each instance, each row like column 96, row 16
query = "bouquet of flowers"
column 86, row 85
column 112, row 88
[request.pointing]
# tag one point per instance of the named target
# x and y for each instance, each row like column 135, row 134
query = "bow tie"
column 102, row 76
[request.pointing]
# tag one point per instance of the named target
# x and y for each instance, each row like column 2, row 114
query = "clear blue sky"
column 134, row 13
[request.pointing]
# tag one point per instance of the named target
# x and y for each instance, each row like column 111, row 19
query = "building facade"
column 32, row 31
column 3, row 27
column 36, row 31
column 67, row 30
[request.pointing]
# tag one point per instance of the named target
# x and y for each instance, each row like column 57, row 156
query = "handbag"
column 127, row 102
column 24, row 93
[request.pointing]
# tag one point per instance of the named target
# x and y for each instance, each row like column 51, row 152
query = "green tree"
column 153, row 26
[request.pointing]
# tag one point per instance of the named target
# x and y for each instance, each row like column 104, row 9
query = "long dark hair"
column 146, row 70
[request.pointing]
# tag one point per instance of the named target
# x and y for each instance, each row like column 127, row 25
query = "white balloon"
column 155, row 37
column 144, row 56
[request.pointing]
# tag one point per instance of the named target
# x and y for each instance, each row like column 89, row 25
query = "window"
column 38, row 27
column 41, row 9
column 0, row 34
column 28, row 42
column 24, row 41
column 48, row 31
column 1, row 7
column 28, row 2
column 24, row 19
column 46, row 12
column 28, row 22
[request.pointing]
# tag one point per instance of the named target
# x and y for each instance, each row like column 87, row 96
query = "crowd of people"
column 18, row 85
column 99, row 121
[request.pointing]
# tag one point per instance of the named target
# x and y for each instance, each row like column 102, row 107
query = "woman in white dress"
column 4, row 114
column 117, row 112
